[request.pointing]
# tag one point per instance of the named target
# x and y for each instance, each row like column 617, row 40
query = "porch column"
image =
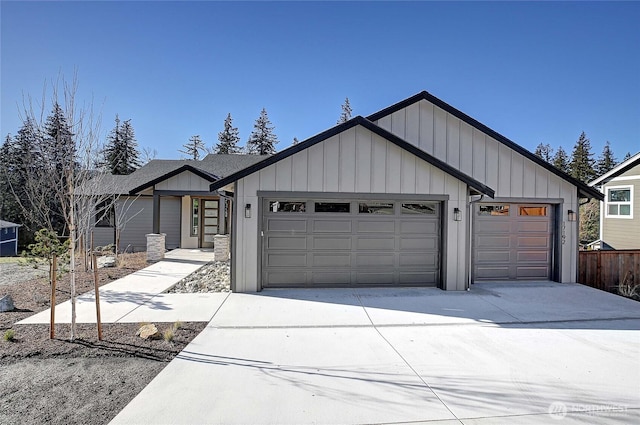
column 156, row 213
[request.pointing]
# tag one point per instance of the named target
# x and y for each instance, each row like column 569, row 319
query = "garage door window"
column 333, row 207
column 493, row 210
column 424, row 208
column 375, row 207
column 287, row 206
column 533, row 211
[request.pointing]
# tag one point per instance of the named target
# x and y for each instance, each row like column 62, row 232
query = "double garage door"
column 513, row 242
column 329, row 242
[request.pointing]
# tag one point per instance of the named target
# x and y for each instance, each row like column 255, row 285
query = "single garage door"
column 513, row 241
column 310, row 242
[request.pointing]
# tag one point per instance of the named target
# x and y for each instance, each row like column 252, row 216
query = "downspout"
column 470, row 243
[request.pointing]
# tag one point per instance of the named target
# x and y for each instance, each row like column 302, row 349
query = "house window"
column 195, row 216
column 619, row 202
column 105, row 214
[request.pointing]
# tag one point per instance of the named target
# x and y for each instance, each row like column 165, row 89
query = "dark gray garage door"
column 308, row 242
column 513, row 242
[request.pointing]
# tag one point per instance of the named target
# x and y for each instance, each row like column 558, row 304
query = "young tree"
column 193, row 147
column 229, row 138
column 262, row 140
column 561, row 160
column 606, row 162
column 345, row 115
column 582, row 163
column 544, row 151
column 121, row 155
column 148, row 154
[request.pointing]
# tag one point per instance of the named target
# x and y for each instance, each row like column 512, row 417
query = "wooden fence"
column 606, row 269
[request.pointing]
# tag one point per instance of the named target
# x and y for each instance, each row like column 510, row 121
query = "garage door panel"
column 331, row 243
column 374, row 278
column 286, row 259
column 332, row 226
column 419, row 227
column 331, row 278
column 533, row 242
column 492, row 272
column 290, row 278
column 428, row 243
column 372, row 243
column 493, row 242
column 331, row 260
column 533, row 227
column 287, row 242
column 424, row 278
column 290, row 225
column 494, row 225
column 374, row 260
column 487, row 256
column 530, row 272
column 534, row 256
column 421, row 260
column 378, row 226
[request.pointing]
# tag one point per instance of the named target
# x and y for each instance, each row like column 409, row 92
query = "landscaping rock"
column 6, row 304
column 106, row 261
column 213, row 277
column 149, row 332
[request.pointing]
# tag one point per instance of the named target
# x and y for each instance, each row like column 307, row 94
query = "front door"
column 209, row 223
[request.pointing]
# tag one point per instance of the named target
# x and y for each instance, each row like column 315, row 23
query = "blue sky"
column 534, row 72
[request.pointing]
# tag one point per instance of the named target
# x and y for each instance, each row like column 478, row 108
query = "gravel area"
column 212, row 277
column 20, row 271
column 84, row 381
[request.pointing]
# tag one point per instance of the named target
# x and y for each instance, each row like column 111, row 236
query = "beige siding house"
column 620, row 210
column 418, row 194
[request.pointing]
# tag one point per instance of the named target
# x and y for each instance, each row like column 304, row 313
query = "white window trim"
column 606, row 203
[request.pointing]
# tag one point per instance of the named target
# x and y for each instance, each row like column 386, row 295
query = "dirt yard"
column 84, row 381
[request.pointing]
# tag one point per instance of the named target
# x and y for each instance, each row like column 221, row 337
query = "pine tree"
column 9, row 208
column 262, row 140
column 345, row 115
column 121, row 155
column 544, row 151
column 606, row 162
column 561, row 160
column 582, row 163
column 193, row 147
column 229, row 138
column 626, row 157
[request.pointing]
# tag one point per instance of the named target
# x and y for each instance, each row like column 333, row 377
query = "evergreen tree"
column 626, row 157
column 262, row 140
column 606, row 162
column 193, row 147
column 345, row 115
column 561, row 160
column 544, row 151
column 9, row 208
column 582, row 163
column 121, row 155
column 229, row 138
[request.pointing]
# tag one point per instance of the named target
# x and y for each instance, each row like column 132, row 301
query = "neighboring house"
column 167, row 196
column 418, row 194
column 8, row 239
column 620, row 210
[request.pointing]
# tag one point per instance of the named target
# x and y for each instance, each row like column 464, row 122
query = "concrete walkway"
column 138, row 297
column 500, row 354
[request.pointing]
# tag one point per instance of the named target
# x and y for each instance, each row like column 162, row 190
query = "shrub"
column 9, row 335
column 177, row 325
column 168, row 335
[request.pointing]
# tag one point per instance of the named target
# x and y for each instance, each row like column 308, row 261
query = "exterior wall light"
column 571, row 215
column 247, row 211
column 457, row 215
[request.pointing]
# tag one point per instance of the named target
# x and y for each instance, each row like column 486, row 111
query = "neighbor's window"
column 105, row 214
column 287, row 206
column 333, row 207
column 493, row 210
column 195, row 216
column 619, row 202
column 428, row 208
column 375, row 207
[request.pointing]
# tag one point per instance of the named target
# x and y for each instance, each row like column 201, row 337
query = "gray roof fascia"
column 583, row 188
column 617, row 170
column 8, row 224
column 186, row 167
column 359, row 120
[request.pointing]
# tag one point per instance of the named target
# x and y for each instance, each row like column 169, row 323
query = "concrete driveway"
column 499, row 354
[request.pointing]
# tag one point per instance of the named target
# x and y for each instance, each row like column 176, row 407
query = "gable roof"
column 4, row 223
column 186, row 167
column 617, row 170
column 583, row 188
column 361, row 121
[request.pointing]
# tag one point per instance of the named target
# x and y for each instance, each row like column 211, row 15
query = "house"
column 417, row 194
column 620, row 209
column 167, row 196
column 8, row 239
